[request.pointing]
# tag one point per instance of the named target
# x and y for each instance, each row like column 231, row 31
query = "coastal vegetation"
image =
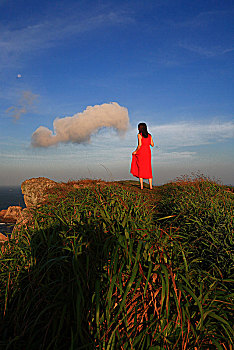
column 112, row 267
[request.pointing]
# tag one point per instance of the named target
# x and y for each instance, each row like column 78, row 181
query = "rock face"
column 34, row 190
column 12, row 214
column 3, row 238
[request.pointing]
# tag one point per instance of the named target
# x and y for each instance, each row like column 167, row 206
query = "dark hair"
column 142, row 127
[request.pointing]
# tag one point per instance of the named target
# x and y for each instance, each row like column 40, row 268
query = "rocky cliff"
column 35, row 189
column 11, row 214
column 35, row 192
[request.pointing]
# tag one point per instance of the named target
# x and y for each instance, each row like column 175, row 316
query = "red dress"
column 141, row 161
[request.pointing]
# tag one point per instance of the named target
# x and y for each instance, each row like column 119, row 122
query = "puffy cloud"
column 80, row 127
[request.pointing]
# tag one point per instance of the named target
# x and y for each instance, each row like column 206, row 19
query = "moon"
column 19, row 76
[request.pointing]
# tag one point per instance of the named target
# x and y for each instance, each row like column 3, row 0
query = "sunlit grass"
column 110, row 267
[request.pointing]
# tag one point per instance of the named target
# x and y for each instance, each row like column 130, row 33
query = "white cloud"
column 80, row 127
column 186, row 134
column 206, row 51
column 169, row 156
column 24, row 106
column 200, row 26
column 46, row 34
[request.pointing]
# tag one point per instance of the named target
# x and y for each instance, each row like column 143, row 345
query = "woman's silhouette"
column 141, row 157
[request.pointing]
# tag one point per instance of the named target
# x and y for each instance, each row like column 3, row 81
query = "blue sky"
column 169, row 62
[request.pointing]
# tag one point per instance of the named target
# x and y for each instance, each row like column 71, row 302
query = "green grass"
column 110, row 267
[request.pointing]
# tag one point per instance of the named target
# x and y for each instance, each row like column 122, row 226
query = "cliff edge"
column 34, row 190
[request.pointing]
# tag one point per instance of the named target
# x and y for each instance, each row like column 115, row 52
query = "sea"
column 9, row 196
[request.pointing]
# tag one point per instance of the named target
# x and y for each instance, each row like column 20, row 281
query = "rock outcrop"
column 3, row 238
column 34, row 190
column 12, row 214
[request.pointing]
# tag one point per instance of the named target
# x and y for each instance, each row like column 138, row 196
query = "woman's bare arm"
column 139, row 144
column 151, row 142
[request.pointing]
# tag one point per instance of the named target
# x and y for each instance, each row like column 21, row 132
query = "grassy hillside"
column 113, row 267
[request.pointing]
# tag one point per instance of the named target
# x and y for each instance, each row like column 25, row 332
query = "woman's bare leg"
column 151, row 183
column 141, row 183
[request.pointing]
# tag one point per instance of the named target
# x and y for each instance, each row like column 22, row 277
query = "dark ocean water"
column 9, row 196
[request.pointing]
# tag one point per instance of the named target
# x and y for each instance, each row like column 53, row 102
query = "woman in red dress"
column 141, row 157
